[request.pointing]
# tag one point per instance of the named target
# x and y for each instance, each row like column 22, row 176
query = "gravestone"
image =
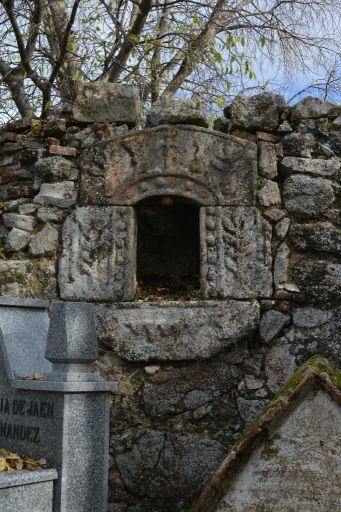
column 51, row 405
column 289, row 459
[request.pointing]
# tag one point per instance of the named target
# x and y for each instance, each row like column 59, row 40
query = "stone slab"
column 236, row 253
column 175, row 330
column 26, row 477
column 98, row 258
column 25, row 331
column 37, row 496
column 102, row 101
column 297, row 468
column 199, row 164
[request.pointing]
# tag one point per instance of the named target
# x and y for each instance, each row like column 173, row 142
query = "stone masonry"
column 192, row 374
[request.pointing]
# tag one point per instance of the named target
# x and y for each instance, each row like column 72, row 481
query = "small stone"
column 27, row 209
column 269, row 194
column 177, row 111
column 252, row 383
column 282, row 227
column 266, row 137
column 45, row 242
column 55, row 128
column 281, row 266
column 280, row 366
column 19, row 126
column 309, row 317
column 314, row 166
column 284, row 127
column 307, row 197
column 298, row 144
column 267, row 160
column 150, row 370
column 54, row 168
column 14, row 220
column 249, row 409
column 271, row 324
column 61, row 150
column 62, row 194
column 222, row 124
column 242, row 134
column 316, row 237
column 261, row 112
column 274, row 214
column 49, row 214
column 52, row 141
column 337, row 123
column 17, row 240
column 311, row 108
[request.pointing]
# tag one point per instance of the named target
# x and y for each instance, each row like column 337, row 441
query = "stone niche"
column 172, row 204
column 214, row 179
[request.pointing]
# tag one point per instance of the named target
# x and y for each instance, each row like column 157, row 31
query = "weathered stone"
column 314, row 166
column 306, row 440
column 62, row 150
column 274, row 214
column 103, row 101
column 261, row 112
column 300, row 145
column 269, row 194
column 98, row 254
column 281, row 266
column 318, row 280
column 16, row 278
column 309, row 317
column 280, row 366
column 337, row 123
column 307, row 197
column 45, row 242
column 55, row 127
column 54, row 168
column 27, row 209
column 62, row 194
column 149, row 466
column 249, row 409
column 281, row 229
column 267, row 137
column 252, row 383
column 50, row 214
column 17, row 240
column 267, row 160
column 222, row 124
column 319, row 236
column 14, row 220
column 236, row 253
column 177, row 111
column 13, row 175
column 284, row 127
column 271, row 324
column 311, row 107
column 203, row 165
column 165, row 331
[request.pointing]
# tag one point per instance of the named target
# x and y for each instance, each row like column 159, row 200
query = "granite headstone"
column 54, row 407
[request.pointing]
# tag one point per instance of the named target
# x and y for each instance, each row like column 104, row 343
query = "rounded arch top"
column 202, row 165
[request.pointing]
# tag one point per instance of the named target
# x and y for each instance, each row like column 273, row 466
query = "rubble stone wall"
column 191, row 374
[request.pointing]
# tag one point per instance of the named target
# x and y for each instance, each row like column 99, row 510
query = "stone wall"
column 192, row 374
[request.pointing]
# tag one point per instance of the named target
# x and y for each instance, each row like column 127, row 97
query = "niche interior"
column 168, row 248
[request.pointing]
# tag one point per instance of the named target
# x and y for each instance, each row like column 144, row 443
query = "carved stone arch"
column 203, row 165
column 170, row 185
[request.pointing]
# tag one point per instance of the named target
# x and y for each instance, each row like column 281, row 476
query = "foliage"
column 11, row 461
column 165, row 47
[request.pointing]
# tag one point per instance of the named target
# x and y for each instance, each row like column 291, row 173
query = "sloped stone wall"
column 191, row 374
